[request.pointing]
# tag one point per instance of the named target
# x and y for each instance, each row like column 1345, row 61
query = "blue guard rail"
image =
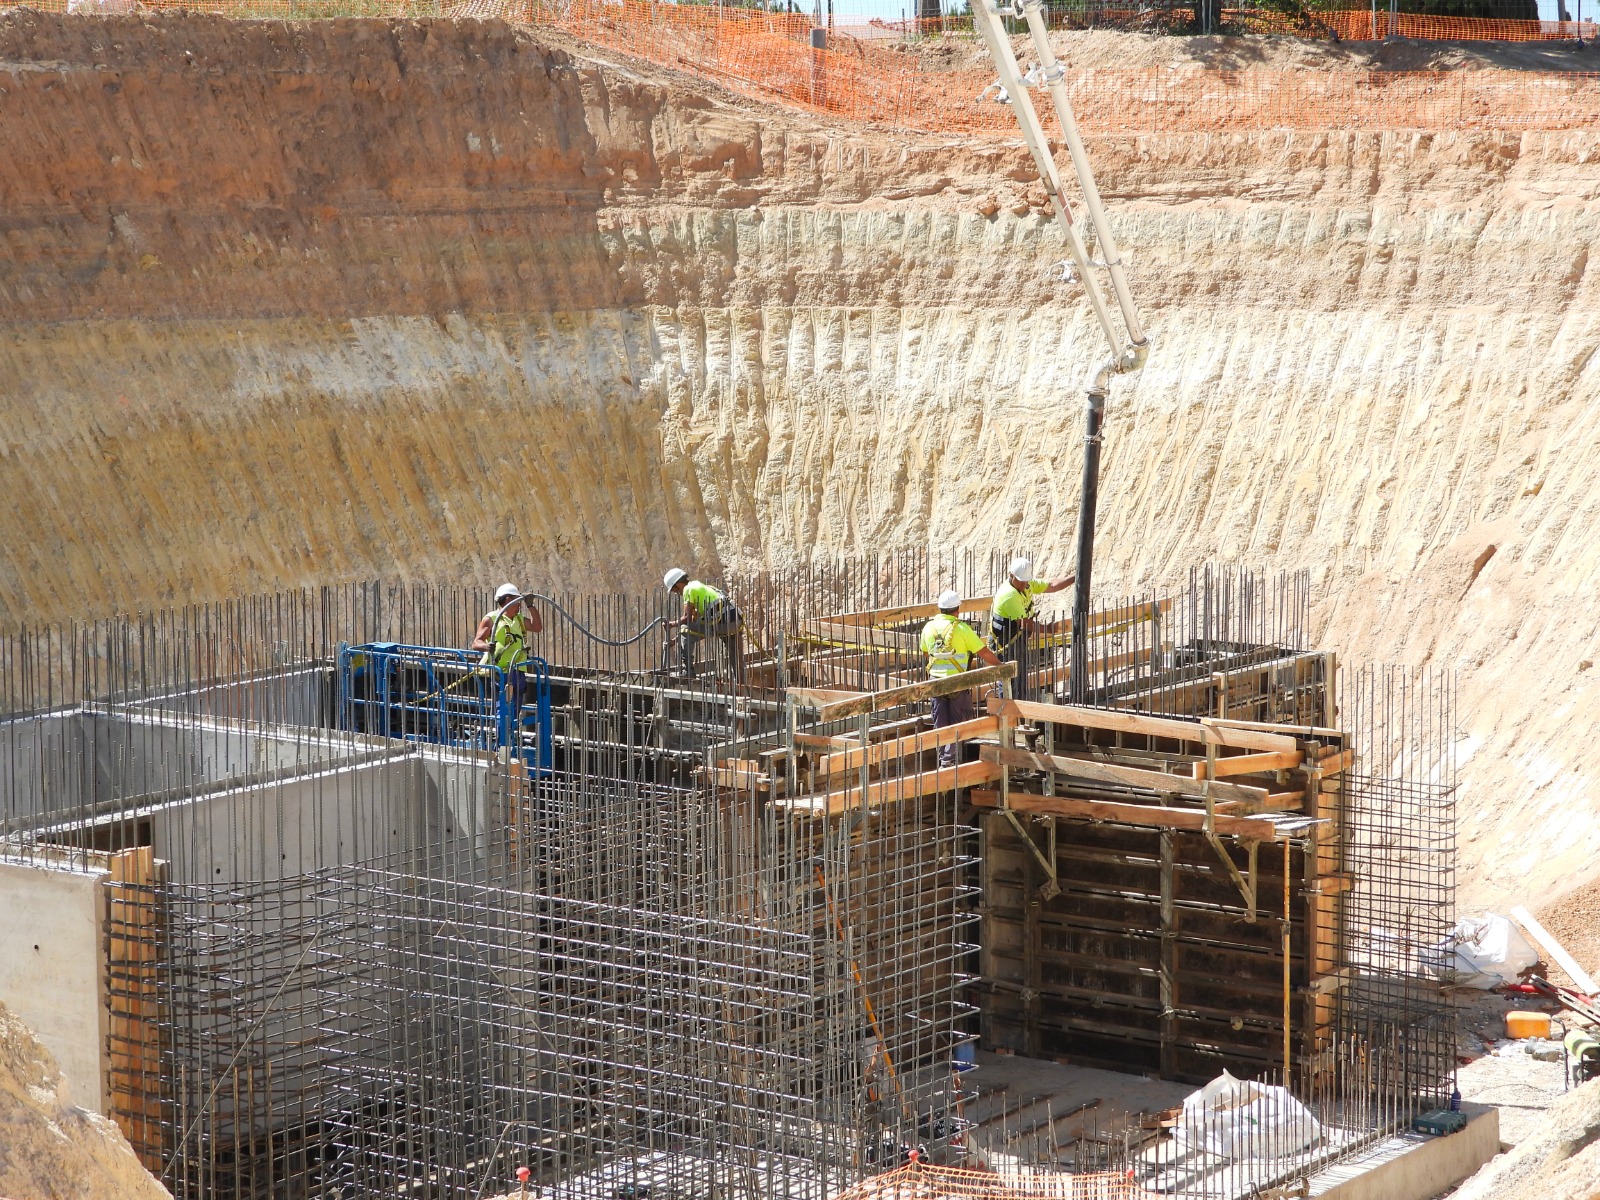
column 444, row 696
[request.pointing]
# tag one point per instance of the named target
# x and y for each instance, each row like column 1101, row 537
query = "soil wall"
column 282, row 304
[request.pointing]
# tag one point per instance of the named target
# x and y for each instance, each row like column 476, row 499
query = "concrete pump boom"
column 1128, row 351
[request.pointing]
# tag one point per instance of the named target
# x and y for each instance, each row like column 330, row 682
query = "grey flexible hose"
column 578, row 625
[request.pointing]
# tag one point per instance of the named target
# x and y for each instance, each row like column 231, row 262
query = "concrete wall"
column 52, row 969
column 268, row 832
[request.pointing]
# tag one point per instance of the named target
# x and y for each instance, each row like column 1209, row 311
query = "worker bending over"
column 951, row 645
column 1013, row 623
column 503, row 637
column 706, row 613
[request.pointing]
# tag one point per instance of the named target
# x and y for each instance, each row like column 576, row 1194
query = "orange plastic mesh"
column 1351, row 25
column 876, row 80
column 766, row 55
column 915, row 1181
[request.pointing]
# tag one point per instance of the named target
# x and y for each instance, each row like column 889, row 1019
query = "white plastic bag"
column 1481, row 952
column 1233, row 1118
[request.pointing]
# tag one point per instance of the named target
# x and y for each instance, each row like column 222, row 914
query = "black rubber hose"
column 579, row 626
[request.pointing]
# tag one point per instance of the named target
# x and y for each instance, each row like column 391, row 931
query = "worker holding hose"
column 1013, row 622
column 503, row 637
column 951, row 645
column 706, row 613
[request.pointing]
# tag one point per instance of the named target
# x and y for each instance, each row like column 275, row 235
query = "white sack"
column 1233, row 1118
column 1481, row 952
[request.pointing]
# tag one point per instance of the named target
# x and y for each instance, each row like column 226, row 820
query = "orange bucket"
column 1527, row 1025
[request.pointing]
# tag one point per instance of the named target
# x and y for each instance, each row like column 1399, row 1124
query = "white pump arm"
column 1126, row 355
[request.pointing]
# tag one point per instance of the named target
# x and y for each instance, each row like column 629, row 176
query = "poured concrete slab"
column 1034, row 1111
column 1414, row 1166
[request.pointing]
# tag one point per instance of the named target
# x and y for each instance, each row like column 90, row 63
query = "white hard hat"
column 1022, row 568
column 507, row 591
column 949, row 600
column 674, row 577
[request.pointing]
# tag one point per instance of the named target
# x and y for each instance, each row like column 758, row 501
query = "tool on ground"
column 1578, row 1003
column 1582, row 1051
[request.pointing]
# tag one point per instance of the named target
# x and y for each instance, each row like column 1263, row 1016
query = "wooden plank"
column 840, row 632
column 1155, row 781
column 926, row 690
column 1062, row 672
column 1555, row 950
column 817, row 697
column 849, row 760
column 821, row 741
column 1201, row 732
column 1112, row 620
column 1246, row 828
column 1299, row 731
column 134, row 1061
column 1251, row 764
column 887, row 791
column 1338, row 760
column 903, row 613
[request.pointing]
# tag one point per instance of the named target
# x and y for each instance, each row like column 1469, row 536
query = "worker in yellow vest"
column 1013, row 623
column 503, row 637
column 706, row 613
column 951, row 645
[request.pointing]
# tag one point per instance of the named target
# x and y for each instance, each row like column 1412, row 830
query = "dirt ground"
column 1112, row 48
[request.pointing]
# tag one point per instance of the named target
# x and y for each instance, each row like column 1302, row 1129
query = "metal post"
column 1093, row 418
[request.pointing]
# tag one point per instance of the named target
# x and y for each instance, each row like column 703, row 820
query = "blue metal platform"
column 446, row 697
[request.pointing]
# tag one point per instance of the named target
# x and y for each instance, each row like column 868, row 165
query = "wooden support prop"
column 1252, row 764
column 1245, row 828
column 1155, row 781
column 913, row 693
column 1555, row 950
column 1203, row 731
column 887, row 791
column 849, row 760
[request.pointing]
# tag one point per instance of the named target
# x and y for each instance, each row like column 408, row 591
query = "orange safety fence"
column 885, row 82
column 918, row 1181
column 759, row 54
column 1349, row 25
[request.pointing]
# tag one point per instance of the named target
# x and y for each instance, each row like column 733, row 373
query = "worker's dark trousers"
column 952, row 710
column 1011, row 644
column 720, row 620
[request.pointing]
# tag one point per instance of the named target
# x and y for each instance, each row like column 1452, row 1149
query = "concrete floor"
column 1038, row 1111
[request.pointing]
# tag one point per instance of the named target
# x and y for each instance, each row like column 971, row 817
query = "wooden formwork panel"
column 1148, row 959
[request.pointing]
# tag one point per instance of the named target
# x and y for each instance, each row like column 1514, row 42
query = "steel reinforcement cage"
column 339, row 961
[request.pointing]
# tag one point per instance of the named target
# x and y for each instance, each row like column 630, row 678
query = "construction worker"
column 951, row 645
column 706, row 613
column 1012, row 621
column 503, row 637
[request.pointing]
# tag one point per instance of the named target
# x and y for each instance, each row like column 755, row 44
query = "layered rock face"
column 283, row 304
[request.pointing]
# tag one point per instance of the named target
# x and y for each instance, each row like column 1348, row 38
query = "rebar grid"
column 345, row 963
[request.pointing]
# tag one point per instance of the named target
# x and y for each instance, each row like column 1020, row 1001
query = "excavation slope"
column 285, row 304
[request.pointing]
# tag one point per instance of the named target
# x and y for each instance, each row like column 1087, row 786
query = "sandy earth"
column 49, row 1148
column 449, row 301
column 1107, row 48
